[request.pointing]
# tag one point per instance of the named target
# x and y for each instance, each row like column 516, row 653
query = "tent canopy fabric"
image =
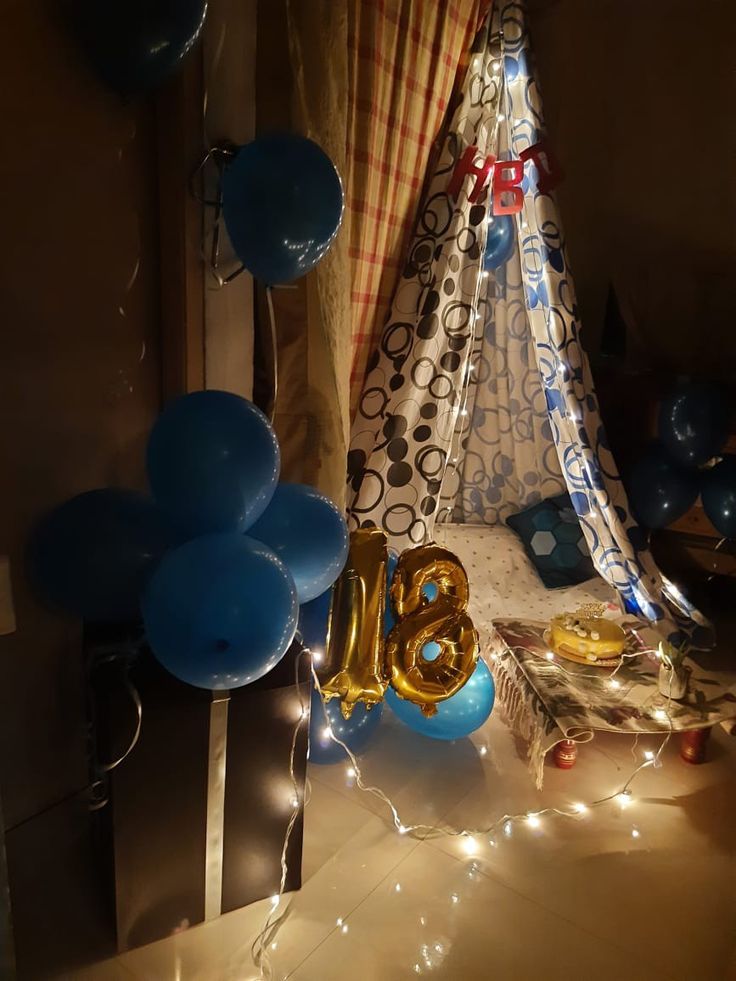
column 479, row 399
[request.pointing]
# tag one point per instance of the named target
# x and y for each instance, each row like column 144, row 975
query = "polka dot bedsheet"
column 504, row 583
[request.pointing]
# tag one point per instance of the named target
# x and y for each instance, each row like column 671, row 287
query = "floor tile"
column 347, row 851
column 663, row 867
column 423, row 777
column 433, row 917
column 644, row 892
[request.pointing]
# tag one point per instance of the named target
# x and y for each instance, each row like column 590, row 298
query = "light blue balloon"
column 282, row 201
column 308, row 533
column 457, row 716
column 213, row 463
column 356, row 732
column 499, row 241
column 220, row 611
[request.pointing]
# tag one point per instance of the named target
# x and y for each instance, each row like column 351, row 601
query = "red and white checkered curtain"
column 403, row 59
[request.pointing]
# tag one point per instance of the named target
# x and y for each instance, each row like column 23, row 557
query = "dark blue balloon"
column 457, row 716
column 309, row 534
column 719, row 496
column 356, row 732
column 220, row 611
column 694, row 424
column 282, row 201
column 660, row 491
column 135, row 45
column 213, row 463
column 92, row 556
column 499, row 241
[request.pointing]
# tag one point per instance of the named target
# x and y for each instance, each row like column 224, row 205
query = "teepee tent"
column 479, row 399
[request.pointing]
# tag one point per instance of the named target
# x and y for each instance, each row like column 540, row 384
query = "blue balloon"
column 213, row 463
column 282, row 201
column 220, row 611
column 356, row 732
column 694, row 424
column 313, row 618
column 308, row 533
column 135, row 45
column 719, row 496
column 457, row 716
column 660, row 491
column 92, row 556
column 500, row 240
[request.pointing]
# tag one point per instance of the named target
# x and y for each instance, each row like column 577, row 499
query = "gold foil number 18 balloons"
column 420, row 621
column 360, row 665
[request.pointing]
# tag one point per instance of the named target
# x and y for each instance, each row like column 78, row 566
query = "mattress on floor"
column 504, row 583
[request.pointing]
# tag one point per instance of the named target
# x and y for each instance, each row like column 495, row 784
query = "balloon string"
column 274, row 353
column 214, row 64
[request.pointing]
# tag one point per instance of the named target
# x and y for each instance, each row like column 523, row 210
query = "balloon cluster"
column 217, row 562
column 396, row 627
column 693, row 426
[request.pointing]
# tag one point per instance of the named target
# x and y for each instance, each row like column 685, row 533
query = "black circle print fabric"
column 413, row 393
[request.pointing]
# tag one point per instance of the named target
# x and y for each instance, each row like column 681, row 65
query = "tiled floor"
column 645, row 893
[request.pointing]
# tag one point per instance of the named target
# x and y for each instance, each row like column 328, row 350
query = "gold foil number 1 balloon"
column 355, row 669
column 419, row 621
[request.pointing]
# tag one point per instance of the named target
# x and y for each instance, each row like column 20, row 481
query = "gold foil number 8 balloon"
column 420, row 621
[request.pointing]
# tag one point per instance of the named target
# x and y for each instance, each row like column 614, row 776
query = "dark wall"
column 79, row 362
column 638, row 97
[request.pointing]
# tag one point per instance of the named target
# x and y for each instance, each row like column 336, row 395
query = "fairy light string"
column 265, row 941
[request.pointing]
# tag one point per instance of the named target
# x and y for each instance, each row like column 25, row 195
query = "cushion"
column 554, row 542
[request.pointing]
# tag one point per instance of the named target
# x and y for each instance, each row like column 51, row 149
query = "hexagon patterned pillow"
column 554, row 542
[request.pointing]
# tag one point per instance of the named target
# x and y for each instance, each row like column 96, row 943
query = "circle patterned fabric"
column 428, row 442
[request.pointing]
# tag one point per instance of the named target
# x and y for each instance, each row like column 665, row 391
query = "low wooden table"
column 557, row 704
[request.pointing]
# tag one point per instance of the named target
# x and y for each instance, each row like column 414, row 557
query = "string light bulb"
column 469, row 845
column 624, row 798
column 533, row 820
column 580, row 808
